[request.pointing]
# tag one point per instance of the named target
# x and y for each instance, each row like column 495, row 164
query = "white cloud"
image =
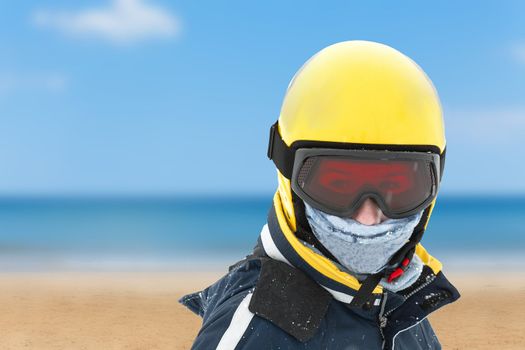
column 122, row 21
column 53, row 82
column 518, row 52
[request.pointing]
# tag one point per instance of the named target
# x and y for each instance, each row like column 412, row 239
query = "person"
column 359, row 148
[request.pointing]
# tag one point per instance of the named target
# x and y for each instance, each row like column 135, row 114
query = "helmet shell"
column 362, row 92
column 359, row 92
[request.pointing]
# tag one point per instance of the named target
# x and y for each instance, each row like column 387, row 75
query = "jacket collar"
column 280, row 243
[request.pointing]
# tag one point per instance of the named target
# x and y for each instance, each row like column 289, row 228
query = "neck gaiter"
column 362, row 249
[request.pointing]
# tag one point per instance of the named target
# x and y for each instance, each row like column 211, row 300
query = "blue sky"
column 156, row 97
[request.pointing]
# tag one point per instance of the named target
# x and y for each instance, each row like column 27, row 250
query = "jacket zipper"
column 429, row 279
column 383, row 316
column 382, row 319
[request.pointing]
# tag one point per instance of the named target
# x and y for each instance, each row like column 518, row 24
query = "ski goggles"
column 338, row 181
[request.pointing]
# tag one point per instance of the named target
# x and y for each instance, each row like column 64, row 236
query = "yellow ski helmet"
column 357, row 95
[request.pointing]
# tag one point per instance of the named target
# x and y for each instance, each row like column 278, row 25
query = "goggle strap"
column 278, row 151
column 283, row 156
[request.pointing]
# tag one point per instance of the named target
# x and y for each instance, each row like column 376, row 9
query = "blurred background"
column 133, row 133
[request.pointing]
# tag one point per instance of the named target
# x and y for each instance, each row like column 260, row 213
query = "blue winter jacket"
column 286, row 297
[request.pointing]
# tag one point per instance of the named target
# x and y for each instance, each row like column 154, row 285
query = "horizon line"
column 217, row 195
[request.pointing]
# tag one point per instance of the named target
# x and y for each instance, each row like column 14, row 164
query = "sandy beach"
column 103, row 310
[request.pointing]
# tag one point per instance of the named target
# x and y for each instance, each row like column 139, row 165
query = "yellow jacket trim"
column 428, row 259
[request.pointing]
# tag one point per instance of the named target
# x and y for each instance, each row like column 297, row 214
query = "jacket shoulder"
column 289, row 299
column 224, row 306
column 240, row 279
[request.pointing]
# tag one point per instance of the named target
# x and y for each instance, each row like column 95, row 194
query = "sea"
column 211, row 233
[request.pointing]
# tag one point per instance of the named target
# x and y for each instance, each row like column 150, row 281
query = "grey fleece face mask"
column 362, row 249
